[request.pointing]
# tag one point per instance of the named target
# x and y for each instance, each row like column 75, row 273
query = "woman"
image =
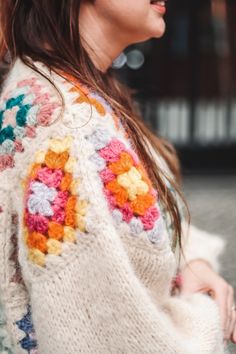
column 90, row 211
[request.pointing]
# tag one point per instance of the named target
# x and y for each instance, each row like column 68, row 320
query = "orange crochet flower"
column 71, row 203
column 37, row 240
column 141, row 204
column 85, row 97
column 99, row 107
column 34, row 170
column 121, row 198
column 82, row 98
column 70, row 218
column 55, row 230
column 120, row 193
column 78, row 86
column 66, row 181
column 54, row 160
column 123, row 165
column 116, row 120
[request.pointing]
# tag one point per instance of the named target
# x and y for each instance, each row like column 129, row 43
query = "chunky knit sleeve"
column 93, row 252
column 199, row 244
column 16, row 329
column 84, row 292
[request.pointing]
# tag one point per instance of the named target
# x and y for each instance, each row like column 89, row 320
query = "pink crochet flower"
column 45, row 114
column 154, row 193
column 150, row 217
column 110, row 198
column 43, row 98
column 27, row 82
column 30, row 132
column 36, row 89
column 61, row 199
column 6, row 161
column 50, row 177
column 134, row 156
column 18, row 146
column 38, row 223
column 10, row 117
column 58, row 214
column 127, row 213
column 112, row 151
column 107, row 175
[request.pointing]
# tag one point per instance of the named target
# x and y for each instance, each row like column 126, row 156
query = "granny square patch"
column 53, row 209
column 22, row 109
column 127, row 187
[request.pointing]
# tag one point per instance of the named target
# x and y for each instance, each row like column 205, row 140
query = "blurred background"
column 186, row 89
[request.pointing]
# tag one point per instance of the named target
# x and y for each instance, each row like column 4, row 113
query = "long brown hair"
column 26, row 25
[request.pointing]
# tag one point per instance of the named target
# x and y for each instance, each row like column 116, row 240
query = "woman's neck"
column 98, row 39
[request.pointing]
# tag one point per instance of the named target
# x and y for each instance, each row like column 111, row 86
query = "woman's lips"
column 159, row 6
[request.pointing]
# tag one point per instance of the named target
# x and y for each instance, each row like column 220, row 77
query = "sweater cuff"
column 199, row 244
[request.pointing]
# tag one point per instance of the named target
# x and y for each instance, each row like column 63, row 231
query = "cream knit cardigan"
column 86, row 263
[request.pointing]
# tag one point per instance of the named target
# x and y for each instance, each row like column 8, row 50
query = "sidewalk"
column 212, row 203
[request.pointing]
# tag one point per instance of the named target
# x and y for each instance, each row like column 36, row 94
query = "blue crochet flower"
column 12, row 116
column 25, row 324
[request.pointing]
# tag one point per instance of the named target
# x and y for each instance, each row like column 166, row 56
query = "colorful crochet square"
column 53, row 211
column 28, row 343
column 86, row 95
column 128, row 189
column 22, row 109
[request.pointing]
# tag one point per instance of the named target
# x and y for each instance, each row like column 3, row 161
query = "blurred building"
column 186, row 82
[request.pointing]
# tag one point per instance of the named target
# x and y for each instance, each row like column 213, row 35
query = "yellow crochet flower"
column 54, row 247
column 69, row 234
column 60, row 145
column 74, row 186
column 133, row 183
column 40, row 156
column 37, row 257
column 70, row 165
column 81, row 207
column 80, row 223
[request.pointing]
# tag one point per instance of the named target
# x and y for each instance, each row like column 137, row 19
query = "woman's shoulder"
column 34, row 105
column 27, row 101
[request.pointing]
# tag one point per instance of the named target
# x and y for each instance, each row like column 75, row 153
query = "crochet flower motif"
column 53, row 211
column 85, row 95
column 39, row 200
column 128, row 189
column 133, row 183
column 28, row 343
column 25, row 107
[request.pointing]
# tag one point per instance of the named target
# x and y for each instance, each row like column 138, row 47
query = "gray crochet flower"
column 39, row 200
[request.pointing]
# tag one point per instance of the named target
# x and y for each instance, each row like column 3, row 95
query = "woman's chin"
column 156, row 31
column 160, row 31
column 152, row 32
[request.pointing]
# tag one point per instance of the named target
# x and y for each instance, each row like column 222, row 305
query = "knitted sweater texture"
column 86, row 263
